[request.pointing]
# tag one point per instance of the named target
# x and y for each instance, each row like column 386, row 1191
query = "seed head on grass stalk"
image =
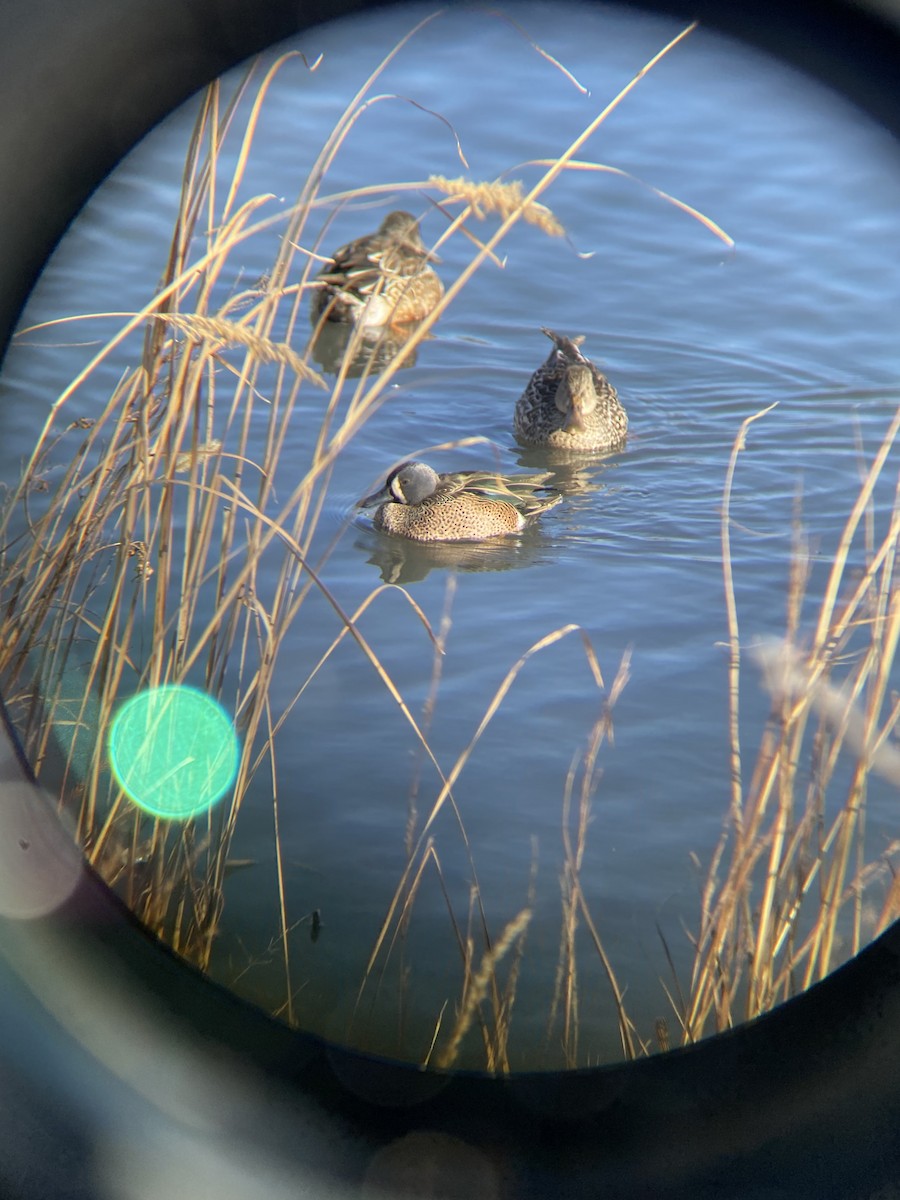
column 477, row 989
column 498, row 198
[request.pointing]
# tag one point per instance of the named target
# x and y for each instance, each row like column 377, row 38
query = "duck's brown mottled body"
column 383, row 278
column 418, row 503
column 569, row 404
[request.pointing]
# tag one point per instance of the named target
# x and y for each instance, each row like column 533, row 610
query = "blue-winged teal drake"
column 466, row 506
column 384, row 278
column 568, row 403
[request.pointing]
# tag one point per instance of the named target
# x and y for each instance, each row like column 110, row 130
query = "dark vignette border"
column 803, row 1102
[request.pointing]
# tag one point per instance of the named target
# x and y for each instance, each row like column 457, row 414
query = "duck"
column 416, row 502
column 383, row 278
column 568, row 403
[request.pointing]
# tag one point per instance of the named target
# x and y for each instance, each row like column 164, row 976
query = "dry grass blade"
column 734, row 646
column 422, row 108
column 539, row 49
column 694, row 213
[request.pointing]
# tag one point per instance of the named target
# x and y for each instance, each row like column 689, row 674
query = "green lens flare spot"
column 173, row 751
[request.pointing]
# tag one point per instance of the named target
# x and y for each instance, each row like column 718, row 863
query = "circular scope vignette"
column 155, row 847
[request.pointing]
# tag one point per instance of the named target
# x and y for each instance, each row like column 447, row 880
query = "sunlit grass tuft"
column 785, row 894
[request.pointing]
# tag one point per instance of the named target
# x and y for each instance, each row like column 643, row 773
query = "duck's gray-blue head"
column 410, row 483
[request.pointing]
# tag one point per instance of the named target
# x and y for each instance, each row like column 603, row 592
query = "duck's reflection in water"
column 402, row 561
column 574, row 472
column 368, row 351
